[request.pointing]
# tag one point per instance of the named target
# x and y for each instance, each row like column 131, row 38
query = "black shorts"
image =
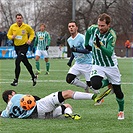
column 34, row 114
column 21, row 49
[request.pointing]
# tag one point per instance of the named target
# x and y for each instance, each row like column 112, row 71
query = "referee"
column 22, row 34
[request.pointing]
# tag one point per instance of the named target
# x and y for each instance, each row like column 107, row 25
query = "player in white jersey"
column 51, row 106
column 42, row 41
column 83, row 59
column 105, row 62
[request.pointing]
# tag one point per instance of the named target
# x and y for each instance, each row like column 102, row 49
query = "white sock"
column 79, row 83
column 82, row 95
column 68, row 111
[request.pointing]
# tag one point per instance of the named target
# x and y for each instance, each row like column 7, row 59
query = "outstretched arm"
column 37, row 98
column 84, row 51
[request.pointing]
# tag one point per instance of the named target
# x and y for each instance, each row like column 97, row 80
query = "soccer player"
column 22, row 35
column 50, row 106
column 42, row 41
column 83, row 59
column 105, row 62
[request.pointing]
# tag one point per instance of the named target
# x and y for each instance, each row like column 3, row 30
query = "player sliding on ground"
column 51, row 106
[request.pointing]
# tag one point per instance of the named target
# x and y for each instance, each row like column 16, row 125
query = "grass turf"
column 102, row 119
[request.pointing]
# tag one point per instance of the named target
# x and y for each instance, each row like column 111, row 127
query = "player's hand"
column 47, row 47
column 13, row 36
column 97, row 41
column 74, row 49
column 69, row 64
column 28, row 42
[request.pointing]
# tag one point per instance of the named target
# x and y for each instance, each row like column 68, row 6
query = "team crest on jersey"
column 41, row 38
column 23, row 31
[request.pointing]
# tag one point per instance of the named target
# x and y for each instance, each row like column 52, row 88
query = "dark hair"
column 6, row 93
column 18, row 14
column 0, row 112
column 105, row 17
column 72, row 21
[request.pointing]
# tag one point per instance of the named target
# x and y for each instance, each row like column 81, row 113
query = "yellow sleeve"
column 10, row 33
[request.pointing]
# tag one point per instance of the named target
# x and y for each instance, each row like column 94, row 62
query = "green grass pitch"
column 95, row 119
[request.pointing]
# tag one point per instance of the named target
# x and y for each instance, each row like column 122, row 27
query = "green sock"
column 120, row 103
column 105, row 82
column 47, row 66
column 38, row 65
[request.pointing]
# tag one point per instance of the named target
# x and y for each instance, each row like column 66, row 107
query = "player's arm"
column 4, row 114
column 84, row 51
column 10, row 33
column 87, row 38
column 36, row 41
column 106, row 50
column 70, row 60
column 109, row 50
column 49, row 39
column 37, row 98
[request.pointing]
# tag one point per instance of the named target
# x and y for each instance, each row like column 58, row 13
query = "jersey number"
column 15, row 111
column 94, row 72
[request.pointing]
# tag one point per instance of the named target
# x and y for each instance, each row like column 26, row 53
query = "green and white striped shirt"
column 105, row 55
column 42, row 40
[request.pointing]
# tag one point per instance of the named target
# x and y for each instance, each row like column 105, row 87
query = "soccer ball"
column 27, row 102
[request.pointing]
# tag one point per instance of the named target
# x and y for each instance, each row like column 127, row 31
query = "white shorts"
column 112, row 73
column 44, row 53
column 49, row 104
column 81, row 69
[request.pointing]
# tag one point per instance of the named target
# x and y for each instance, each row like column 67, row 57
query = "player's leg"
column 47, row 66
column 63, row 109
column 46, row 59
column 99, row 82
column 53, row 104
column 96, row 82
column 52, row 101
column 85, row 71
column 37, row 57
column 72, row 78
column 69, row 94
column 29, row 68
column 115, row 78
column 114, row 75
column 120, row 100
column 18, row 60
column 90, row 87
column 37, row 65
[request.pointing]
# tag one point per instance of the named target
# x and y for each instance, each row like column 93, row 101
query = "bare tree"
column 57, row 14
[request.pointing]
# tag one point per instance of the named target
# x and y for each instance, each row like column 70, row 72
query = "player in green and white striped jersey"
column 42, row 41
column 103, row 39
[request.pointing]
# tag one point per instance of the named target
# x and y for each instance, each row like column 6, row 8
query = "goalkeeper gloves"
column 97, row 41
column 47, row 47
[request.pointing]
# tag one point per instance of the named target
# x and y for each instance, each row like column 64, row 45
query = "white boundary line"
column 57, row 81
